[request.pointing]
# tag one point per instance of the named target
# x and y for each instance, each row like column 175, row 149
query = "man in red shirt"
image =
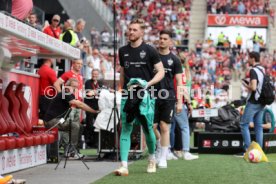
column 75, row 73
column 46, row 90
column 53, row 29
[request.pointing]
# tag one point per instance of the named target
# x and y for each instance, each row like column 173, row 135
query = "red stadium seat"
column 19, row 93
column 14, row 109
column 23, row 108
column 2, row 144
column 7, row 125
column 4, row 104
column 38, row 138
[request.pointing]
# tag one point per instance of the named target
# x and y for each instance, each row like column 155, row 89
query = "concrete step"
column 197, row 22
column 199, row 8
column 199, row 3
column 199, row 25
column 197, row 32
column 197, row 18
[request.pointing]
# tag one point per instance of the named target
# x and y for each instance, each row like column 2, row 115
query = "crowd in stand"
column 158, row 15
column 254, row 7
column 245, row 7
column 215, row 67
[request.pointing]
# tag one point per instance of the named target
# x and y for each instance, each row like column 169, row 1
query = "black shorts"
column 164, row 111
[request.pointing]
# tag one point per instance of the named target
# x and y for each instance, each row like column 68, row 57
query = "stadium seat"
column 3, row 125
column 2, row 144
column 7, row 125
column 4, row 111
column 14, row 109
column 41, row 138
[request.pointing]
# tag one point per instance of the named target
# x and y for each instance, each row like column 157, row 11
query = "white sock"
column 158, row 144
column 164, row 152
column 124, row 164
column 151, row 156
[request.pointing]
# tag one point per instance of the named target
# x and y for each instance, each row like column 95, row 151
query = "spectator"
column 220, row 40
column 89, row 60
column 74, row 72
column 92, row 87
column 21, row 8
column 198, row 47
column 53, row 30
column 95, row 35
column 69, row 36
column 255, row 37
column 80, row 25
column 239, row 41
column 182, row 118
column 33, row 21
column 256, row 47
column 105, row 35
column 47, row 91
column 253, row 110
column 65, row 100
column 97, row 59
column 241, row 8
column 107, row 64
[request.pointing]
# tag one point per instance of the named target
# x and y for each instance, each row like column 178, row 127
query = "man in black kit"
column 138, row 60
column 166, row 98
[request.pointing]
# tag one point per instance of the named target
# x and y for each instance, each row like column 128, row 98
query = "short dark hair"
column 167, row 32
column 33, row 13
column 255, row 55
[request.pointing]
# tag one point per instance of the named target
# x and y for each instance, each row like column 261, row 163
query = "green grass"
column 208, row 169
column 89, row 152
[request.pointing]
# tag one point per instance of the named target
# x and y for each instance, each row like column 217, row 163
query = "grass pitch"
column 208, row 169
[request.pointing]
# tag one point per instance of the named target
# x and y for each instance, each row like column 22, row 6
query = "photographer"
column 59, row 107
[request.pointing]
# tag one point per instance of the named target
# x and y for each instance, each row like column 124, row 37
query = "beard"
column 133, row 38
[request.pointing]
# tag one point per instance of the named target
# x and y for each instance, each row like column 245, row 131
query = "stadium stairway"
column 197, row 22
column 97, row 14
column 272, row 32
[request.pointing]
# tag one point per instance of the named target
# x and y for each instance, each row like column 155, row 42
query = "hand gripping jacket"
column 139, row 106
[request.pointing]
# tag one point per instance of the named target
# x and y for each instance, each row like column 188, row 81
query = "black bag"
column 267, row 94
column 227, row 120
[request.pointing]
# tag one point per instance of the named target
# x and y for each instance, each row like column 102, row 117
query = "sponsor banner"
column 270, row 144
column 199, row 113
column 238, row 20
column 28, row 37
column 17, row 159
column 220, row 143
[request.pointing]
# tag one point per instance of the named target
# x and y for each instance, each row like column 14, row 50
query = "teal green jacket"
column 146, row 106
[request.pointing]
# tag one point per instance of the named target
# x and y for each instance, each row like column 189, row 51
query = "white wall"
column 232, row 32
